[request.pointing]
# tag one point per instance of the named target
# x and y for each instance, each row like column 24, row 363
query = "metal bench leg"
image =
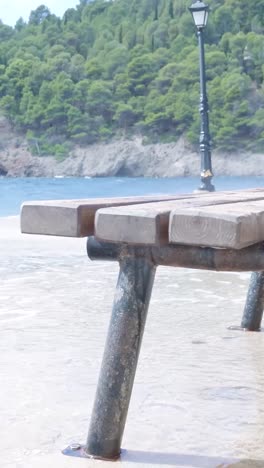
column 254, row 307
column 121, row 354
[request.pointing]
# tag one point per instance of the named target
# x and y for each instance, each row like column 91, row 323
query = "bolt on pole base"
column 79, row 451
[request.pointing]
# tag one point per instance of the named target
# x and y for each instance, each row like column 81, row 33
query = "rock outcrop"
column 120, row 158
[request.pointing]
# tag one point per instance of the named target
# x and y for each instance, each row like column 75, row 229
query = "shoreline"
column 16, row 191
column 126, row 158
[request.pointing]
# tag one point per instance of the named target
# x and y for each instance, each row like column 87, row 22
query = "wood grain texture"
column 144, row 225
column 149, row 223
column 74, row 218
column 136, row 220
column 227, row 226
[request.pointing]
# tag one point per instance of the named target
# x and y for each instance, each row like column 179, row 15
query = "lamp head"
column 199, row 11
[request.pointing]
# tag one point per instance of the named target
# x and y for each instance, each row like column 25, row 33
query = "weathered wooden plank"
column 74, row 218
column 143, row 226
column 227, row 226
column 148, row 224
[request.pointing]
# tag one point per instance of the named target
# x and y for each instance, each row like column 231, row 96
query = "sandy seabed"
column 198, row 398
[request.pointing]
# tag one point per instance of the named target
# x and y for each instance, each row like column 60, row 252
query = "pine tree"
column 171, row 9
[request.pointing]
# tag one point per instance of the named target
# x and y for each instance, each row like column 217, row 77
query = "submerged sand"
column 198, row 399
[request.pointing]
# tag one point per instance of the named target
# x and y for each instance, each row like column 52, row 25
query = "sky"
column 11, row 10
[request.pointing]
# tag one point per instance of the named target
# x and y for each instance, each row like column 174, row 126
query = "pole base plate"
column 79, row 451
column 204, row 189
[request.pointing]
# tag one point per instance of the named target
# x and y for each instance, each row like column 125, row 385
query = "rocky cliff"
column 120, row 158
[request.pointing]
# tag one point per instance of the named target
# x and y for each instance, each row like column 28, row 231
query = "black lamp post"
column 199, row 13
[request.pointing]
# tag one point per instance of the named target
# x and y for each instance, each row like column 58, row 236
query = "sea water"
column 198, row 399
column 13, row 192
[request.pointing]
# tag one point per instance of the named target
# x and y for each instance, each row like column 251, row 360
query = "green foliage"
column 126, row 66
column 39, row 15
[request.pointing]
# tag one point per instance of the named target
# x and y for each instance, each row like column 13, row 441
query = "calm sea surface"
column 198, row 399
column 13, row 192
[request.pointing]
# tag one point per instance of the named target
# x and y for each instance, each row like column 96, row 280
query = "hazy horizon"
column 12, row 10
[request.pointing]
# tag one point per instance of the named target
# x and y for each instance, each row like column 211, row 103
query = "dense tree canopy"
column 121, row 67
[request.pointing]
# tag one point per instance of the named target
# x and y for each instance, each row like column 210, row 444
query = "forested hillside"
column 124, row 67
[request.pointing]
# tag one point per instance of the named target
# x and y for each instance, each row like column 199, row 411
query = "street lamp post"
column 199, row 13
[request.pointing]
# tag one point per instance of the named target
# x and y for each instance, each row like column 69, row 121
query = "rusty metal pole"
column 254, row 307
column 121, row 354
column 185, row 256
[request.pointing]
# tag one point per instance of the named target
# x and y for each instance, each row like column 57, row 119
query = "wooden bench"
column 221, row 231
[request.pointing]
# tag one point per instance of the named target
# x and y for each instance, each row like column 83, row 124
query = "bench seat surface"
column 73, row 218
column 233, row 219
column 226, row 220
